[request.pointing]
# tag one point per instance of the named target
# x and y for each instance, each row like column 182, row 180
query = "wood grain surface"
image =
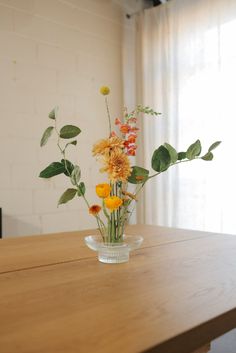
column 175, row 295
column 32, row 251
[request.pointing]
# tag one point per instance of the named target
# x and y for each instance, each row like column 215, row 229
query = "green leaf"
column 181, row 155
column 71, row 143
column 68, row 195
column 161, row 159
column 53, row 169
column 69, row 131
column 53, row 113
column 214, row 145
column 172, row 151
column 138, row 175
column 47, row 133
column 194, row 150
column 75, row 175
column 81, row 189
column 68, row 167
column 208, row 156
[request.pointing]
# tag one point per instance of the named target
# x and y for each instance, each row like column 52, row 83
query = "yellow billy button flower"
column 113, row 202
column 103, row 190
column 94, row 209
column 105, row 90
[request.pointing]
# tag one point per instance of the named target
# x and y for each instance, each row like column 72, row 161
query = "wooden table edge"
column 198, row 336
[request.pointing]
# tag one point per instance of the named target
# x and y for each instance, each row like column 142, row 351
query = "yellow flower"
column 94, row 209
column 117, row 166
column 113, row 202
column 105, row 90
column 105, row 146
column 103, row 190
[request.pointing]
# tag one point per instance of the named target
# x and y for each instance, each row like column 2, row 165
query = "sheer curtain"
column 187, row 70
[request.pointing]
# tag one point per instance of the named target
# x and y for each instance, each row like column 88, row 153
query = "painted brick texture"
column 53, row 52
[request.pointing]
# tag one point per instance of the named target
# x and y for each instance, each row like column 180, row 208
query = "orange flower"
column 94, row 209
column 104, row 147
column 117, row 166
column 103, row 190
column 113, row 134
column 131, row 152
column 117, row 121
column 131, row 139
column 113, row 202
column 125, row 128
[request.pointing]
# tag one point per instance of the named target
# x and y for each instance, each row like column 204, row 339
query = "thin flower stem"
column 108, row 114
column 154, row 175
column 98, row 219
column 61, row 150
column 100, row 223
column 178, row 162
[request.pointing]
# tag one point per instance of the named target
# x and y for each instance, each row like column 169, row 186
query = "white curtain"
column 187, row 68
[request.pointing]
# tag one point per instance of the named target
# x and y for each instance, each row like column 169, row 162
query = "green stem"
column 108, row 114
column 154, row 175
column 187, row 160
column 98, row 219
column 61, row 150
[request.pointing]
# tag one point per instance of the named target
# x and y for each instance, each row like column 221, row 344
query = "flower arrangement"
column 113, row 211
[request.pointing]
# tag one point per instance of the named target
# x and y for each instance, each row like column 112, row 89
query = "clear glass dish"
column 113, row 253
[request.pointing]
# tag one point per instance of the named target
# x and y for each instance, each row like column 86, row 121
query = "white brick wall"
column 53, row 52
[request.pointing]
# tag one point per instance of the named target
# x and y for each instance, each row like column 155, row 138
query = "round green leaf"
column 172, row 151
column 208, row 156
column 161, row 159
column 69, row 131
column 138, row 175
column 181, row 155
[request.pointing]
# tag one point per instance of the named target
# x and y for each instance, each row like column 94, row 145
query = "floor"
column 225, row 344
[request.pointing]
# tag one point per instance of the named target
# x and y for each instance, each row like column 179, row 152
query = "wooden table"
column 177, row 293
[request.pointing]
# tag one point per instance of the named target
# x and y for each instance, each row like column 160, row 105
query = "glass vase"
column 115, row 252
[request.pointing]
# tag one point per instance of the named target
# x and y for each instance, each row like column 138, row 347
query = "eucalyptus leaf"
column 53, row 114
column 181, row 155
column 81, row 189
column 208, row 156
column 138, row 175
column 53, row 169
column 75, row 175
column 161, row 159
column 194, row 150
column 47, row 133
column 72, row 143
column 69, row 131
column 68, row 195
column 172, row 151
column 68, row 167
column 214, row 145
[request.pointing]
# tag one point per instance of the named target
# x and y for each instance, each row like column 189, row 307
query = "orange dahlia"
column 117, row 166
column 105, row 146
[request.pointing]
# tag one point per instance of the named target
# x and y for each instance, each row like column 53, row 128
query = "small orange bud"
column 94, row 209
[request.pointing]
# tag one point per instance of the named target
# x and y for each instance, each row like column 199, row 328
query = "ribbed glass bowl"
column 113, row 253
